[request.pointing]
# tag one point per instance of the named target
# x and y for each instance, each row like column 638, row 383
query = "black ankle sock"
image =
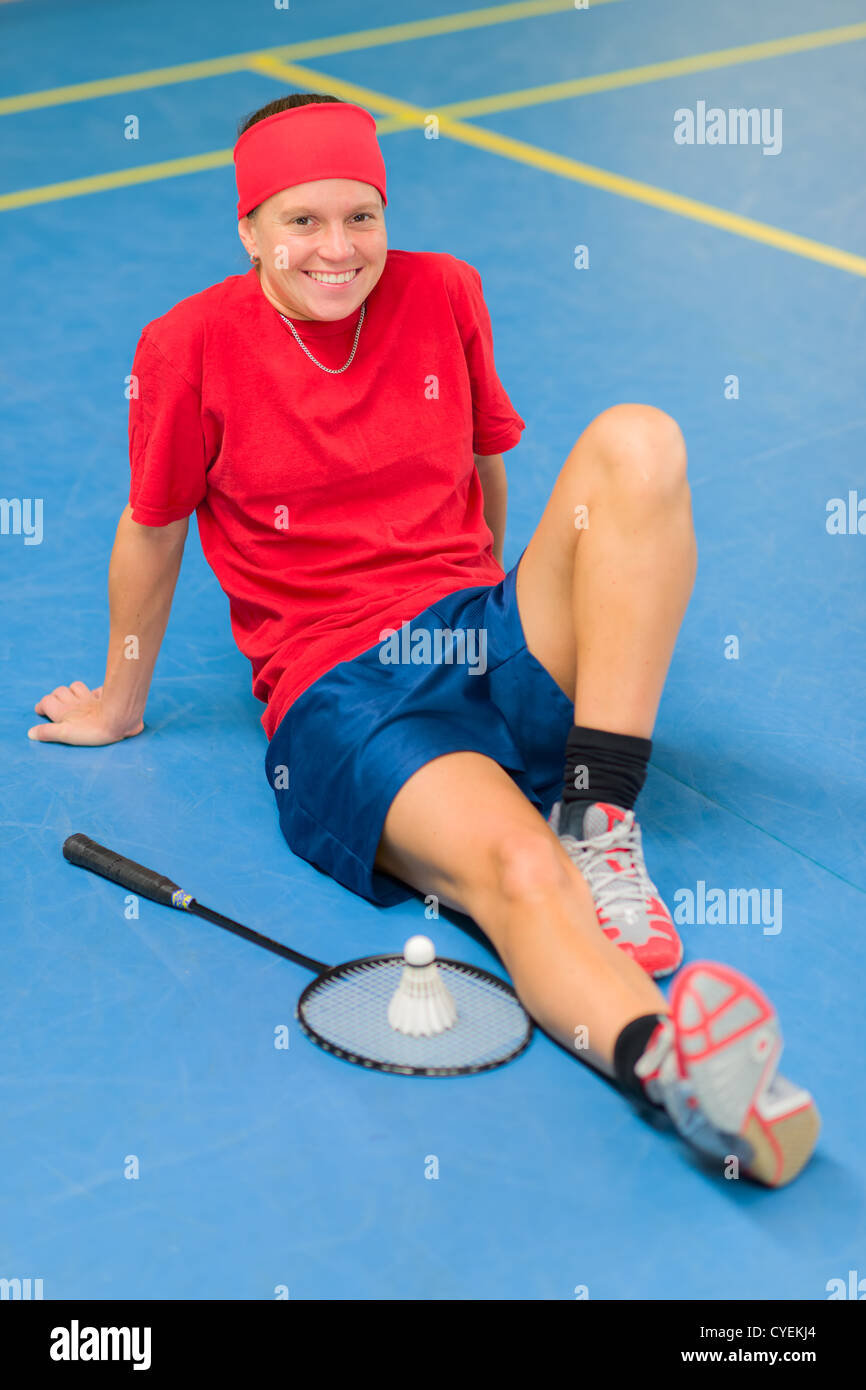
column 628, row 1050
column 607, row 767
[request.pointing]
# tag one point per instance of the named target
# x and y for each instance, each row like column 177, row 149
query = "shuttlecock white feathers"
column 421, row 1005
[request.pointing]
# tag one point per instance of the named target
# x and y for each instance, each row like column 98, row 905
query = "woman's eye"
column 305, row 218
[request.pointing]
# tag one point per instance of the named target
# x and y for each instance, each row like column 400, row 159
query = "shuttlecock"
column 421, row 1005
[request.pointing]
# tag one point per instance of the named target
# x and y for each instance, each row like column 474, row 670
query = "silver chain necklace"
column 334, row 371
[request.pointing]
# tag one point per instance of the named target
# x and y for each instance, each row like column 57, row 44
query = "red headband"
column 324, row 140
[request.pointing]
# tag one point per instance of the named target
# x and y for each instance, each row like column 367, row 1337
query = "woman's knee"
column 526, row 865
column 639, row 448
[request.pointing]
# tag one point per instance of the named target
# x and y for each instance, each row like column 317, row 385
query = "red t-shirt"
column 329, row 507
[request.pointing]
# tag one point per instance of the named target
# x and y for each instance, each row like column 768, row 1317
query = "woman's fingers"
column 62, row 699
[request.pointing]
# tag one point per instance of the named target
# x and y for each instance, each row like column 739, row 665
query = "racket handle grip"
column 87, row 854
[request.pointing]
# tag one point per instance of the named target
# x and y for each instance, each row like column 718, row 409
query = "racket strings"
column 347, row 1011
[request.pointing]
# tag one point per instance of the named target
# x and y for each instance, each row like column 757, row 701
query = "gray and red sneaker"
column 712, row 1064
column 630, row 911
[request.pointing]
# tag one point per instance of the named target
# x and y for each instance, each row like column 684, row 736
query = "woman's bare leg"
column 601, row 601
column 461, row 829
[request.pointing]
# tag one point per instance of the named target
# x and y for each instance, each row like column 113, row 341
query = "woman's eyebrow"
column 311, row 212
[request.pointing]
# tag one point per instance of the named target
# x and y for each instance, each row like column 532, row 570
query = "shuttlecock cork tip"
column 419, row 950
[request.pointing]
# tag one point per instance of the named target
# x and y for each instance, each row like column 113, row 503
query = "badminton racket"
column 345, row 1008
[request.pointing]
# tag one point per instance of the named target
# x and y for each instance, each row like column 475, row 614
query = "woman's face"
column 328, row 226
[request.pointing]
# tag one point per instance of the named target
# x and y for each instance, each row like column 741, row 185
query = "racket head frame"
column 399, row 1069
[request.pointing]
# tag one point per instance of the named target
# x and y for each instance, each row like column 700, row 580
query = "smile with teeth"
column 328, row 278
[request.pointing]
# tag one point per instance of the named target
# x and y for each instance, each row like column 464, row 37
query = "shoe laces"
column 613, row 887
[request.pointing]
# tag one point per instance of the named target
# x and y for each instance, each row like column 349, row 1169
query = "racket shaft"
column 318, row 967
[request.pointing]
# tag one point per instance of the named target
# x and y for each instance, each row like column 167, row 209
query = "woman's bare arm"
column 494, row 485
column 145, row 563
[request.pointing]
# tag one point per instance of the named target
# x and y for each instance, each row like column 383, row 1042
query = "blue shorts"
column 346, row 746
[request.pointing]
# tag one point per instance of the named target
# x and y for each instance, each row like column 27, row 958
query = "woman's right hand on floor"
column 77, row 716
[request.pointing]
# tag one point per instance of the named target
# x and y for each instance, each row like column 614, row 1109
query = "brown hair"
column 282, row 104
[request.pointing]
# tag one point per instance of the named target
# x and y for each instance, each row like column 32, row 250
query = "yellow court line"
column 505, row 101
column 659, row 72
column 114, row 178
column 312, row 48
column 401, row 33
column 409, row 115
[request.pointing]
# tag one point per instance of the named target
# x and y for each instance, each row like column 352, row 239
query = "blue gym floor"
column 263, row 1169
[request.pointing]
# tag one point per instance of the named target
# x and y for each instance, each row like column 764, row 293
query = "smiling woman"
column 347, row 485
